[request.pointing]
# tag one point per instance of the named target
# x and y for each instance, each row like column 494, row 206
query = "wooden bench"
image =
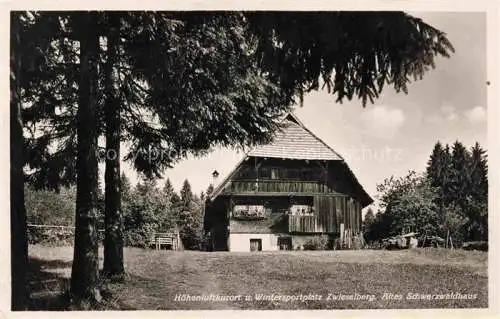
column 160, row 239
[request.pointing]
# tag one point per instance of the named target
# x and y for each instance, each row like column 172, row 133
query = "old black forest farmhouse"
column 282, row 194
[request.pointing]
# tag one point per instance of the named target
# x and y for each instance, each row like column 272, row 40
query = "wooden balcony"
column 276, row 187
column 304, row 224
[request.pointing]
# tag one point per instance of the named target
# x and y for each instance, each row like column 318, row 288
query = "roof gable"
column 295, row 141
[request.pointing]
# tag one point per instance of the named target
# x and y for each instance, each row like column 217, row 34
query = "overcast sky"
column 398, row 132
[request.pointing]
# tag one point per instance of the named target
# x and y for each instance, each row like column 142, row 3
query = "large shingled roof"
column 295, row 141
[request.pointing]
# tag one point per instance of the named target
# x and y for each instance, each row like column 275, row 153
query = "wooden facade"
column 285, row 196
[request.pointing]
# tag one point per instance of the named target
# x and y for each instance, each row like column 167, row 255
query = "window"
column 255, row 244
column 301, row 210
column 264, row 172
column 246, row 173
column 249, row 212
column 307, row 174
column 285, row 243
column 319, row 175
column 274, row 173
column 293, row 173
column 268, row 173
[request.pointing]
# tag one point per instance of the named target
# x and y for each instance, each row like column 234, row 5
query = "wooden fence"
column 55, row 234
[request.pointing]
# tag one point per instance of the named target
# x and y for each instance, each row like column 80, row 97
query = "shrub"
column 475, row 245
column 140, row 236
column 46, row 207
column 205, row 244
column 357, row 242
column 190, row 238
column 54, row 236
column 50, row 208
column 317, row 243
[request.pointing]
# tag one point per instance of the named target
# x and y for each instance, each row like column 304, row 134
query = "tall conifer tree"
column 479, row 193
column 85, row 267
column 460, row 176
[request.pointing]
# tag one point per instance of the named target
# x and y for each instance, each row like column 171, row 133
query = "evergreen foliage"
column 367, row 225
column 190, row 218
column 450, row 199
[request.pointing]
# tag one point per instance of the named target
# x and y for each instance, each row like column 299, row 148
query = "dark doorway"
column 255, row 244
column 285, row 243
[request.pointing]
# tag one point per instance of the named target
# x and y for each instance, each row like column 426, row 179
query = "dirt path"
column 212, row 284
column 172, row 280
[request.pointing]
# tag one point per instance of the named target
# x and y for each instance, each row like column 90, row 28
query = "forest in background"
column 147, row 208
column 449, row 199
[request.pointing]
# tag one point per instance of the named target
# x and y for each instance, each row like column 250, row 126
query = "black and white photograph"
column 249, row 160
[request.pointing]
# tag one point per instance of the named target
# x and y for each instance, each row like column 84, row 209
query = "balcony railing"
column 304, row 224
column 276, row 186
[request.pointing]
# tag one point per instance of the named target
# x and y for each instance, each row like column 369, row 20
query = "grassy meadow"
column 356, row 279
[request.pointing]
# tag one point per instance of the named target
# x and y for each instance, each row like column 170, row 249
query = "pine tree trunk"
column 447, row 239
column 18, row 229
column 85, row 270
column 113, row 238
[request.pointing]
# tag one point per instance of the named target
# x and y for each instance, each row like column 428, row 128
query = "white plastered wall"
column 241, row 242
